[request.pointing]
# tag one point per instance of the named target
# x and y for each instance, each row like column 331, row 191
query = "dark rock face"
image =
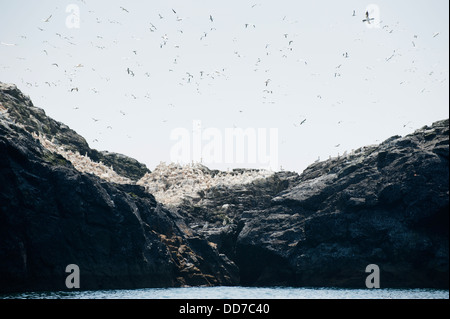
column 385, row 204
column 51, row 215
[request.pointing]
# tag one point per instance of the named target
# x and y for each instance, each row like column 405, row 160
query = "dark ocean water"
column 238, row 293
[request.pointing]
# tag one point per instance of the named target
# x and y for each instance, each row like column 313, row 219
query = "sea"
column 237, row 293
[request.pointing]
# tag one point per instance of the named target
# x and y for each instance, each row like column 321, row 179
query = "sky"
column 305, row 80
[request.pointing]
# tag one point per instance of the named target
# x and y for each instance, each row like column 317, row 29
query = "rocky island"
column 62, row 202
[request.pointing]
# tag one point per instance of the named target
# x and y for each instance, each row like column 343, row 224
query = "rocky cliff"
column 385, row 204
column 62, row 203
column 52, row 215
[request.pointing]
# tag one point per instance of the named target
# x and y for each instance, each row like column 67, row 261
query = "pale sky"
column 353, row 84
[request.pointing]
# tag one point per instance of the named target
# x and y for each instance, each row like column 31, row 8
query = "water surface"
column 238, row 293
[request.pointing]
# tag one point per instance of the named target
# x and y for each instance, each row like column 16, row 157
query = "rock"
column 51, row 215
column 383, row 204
column 386, row 205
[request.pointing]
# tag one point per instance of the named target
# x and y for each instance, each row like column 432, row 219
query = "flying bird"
column 367, row 19
column 9, row 44
column 48, row 19
column 95, row 120
column 267, row 81
column 152, row 27
column 211, row 18
column 435, row 35
column 123, row 9
column 73, row 89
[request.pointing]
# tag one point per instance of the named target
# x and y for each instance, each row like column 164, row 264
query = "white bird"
column 8, row 44
column 48, row 19
column 152, row 27
column 367, row 19
column 130, row 72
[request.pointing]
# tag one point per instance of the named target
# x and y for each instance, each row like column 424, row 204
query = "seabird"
column 174, row 11
column 390, row 56
column 95, row 120
column 354, row 13
column 48, row 19
column 211, row 18
column 9, row 44
column 367, row 19
column 124, row 9
column 73, row 89
column 436, row 34
column 267, row 81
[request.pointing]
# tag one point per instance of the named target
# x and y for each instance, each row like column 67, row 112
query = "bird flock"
column 170, row 184
column 173, row 32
